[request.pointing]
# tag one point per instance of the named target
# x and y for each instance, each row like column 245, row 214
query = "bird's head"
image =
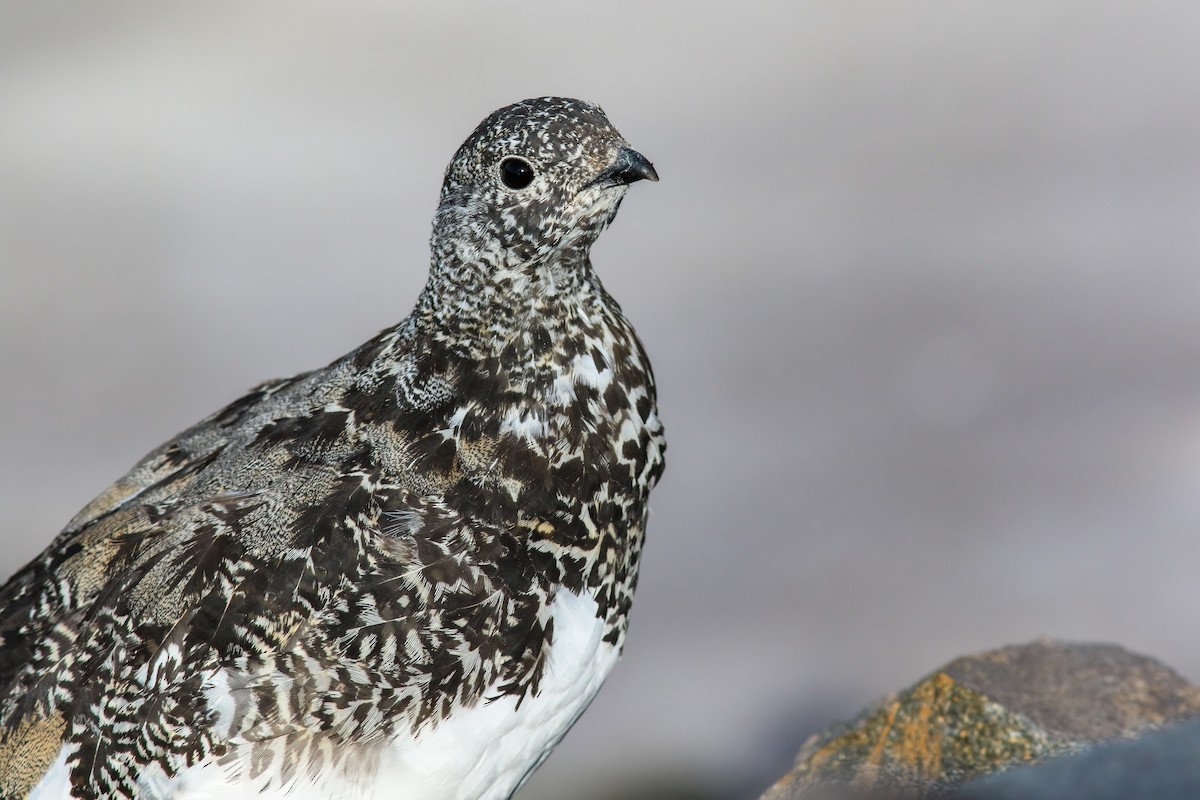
column 536, row 182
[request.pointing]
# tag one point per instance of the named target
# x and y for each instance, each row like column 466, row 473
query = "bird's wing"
column 53, row 601
column 286, row 571
column 183, row 455
column 111, row 517
column 325, row 606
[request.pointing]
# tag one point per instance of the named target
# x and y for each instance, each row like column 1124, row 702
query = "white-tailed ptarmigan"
column 404, row 575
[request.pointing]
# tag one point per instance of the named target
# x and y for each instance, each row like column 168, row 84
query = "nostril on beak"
column 629, row 167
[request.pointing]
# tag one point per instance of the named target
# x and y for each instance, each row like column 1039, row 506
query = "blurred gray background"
column 920, row 283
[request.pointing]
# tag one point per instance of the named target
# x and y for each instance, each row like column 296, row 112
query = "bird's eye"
column 516, row 173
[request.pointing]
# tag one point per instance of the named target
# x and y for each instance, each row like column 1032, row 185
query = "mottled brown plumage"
column 295, row 595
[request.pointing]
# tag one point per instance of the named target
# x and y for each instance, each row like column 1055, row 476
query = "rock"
column 986, row 712
column 1161, row 765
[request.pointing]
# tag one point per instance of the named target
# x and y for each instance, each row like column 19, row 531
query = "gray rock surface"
column 1163, row 765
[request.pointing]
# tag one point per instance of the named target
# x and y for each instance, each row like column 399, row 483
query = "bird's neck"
column 478, row 300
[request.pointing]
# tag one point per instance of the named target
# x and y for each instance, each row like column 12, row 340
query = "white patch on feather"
column 520, row 422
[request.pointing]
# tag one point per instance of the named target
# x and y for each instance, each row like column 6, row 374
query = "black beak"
column 629, row 167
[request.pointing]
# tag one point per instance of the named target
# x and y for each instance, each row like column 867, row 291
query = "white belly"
column 481, row 753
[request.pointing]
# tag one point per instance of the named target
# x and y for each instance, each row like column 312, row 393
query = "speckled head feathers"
column 566, row 151
column 523, row 200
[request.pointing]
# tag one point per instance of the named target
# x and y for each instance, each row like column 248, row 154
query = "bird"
column 405, row 574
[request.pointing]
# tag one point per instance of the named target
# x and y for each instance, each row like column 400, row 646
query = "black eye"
column 516, row 173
